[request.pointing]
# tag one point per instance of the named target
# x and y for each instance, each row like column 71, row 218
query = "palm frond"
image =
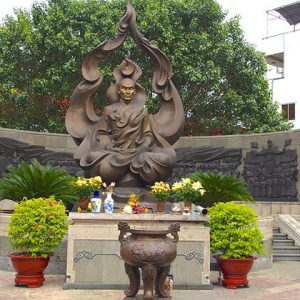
column 221, row 188
column 34, row 180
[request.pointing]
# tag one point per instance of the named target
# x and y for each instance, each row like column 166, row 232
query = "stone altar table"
column 93, row 255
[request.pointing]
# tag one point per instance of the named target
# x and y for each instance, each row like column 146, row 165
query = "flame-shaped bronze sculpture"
column 126, row 144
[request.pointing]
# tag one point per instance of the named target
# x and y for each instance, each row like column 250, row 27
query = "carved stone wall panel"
column 185, row 164
column 271, row 173
column 12, row 152
column 207, row 159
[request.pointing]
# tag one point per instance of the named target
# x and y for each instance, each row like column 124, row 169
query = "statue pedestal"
column 93, row 256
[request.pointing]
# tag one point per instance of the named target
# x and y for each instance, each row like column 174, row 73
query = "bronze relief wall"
column 271, row 173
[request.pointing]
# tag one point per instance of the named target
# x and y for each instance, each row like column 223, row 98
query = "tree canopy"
column 219, row 75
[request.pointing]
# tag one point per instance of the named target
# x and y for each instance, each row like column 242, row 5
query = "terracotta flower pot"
column 160, row 206
column 29, row 270
column 84, row 203
column 235, row 271
column 187, row 204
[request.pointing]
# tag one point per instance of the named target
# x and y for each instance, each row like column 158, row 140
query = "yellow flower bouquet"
column 161, row 191
column 85, row 186
column 188, row 190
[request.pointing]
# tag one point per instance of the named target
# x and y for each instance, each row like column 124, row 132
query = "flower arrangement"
column 188, row 190
column 136, row 206
column 110, row 187
column 161, row 191
column 85, row 186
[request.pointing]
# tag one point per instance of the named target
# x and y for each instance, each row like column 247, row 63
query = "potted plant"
column 34, row 180
column 188, row 191
column 236, row 238
column 221, row 188
column 35, row 230
column 84, row 187
column 161, row 191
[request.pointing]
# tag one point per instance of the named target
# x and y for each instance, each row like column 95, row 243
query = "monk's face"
column 127, row 89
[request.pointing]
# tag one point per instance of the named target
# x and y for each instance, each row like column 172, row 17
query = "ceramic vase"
column 96, row 202
column 109, row 203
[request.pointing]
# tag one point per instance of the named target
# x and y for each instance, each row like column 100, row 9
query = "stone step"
column 281, row 257
column 287, row 242
column 281, row 242
column 286, row 247
column 277, row 250
column 283, row 247
column 279, row 236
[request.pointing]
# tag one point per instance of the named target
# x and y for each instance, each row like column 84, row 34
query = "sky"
column 253, row 16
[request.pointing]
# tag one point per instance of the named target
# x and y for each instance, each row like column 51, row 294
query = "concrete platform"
column 93, row 256
column 280, row 282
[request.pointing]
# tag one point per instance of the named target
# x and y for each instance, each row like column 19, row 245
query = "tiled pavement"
column 280, row 282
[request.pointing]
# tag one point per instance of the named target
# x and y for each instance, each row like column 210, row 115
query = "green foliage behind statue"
column 219, row 76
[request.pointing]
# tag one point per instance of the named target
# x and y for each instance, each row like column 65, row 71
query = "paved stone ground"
column 281, row 282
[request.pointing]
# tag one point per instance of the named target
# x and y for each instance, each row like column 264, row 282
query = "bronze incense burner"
column 153, row 252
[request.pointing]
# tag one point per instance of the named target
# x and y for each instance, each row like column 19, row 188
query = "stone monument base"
column 94, row 261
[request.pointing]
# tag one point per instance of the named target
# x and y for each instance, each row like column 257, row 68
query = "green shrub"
column 37, row 226
column 234, row 231
column 34, row 180
column 221, row 188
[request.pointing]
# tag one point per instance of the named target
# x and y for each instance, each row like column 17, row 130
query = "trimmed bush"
column 37, row 226
column 234, row 231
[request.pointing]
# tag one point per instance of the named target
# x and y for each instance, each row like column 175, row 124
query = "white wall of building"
column 285, row 90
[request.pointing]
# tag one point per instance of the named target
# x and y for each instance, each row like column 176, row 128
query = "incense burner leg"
column 133, row 274
column 148, row 275
column 162, row 273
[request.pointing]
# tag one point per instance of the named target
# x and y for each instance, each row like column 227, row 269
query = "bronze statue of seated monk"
column 127, row 149
column 126, row 144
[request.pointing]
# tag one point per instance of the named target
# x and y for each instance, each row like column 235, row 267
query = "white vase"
column 96, row 203
column 109, row 203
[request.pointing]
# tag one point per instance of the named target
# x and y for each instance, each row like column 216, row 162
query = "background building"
column 282, row 48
